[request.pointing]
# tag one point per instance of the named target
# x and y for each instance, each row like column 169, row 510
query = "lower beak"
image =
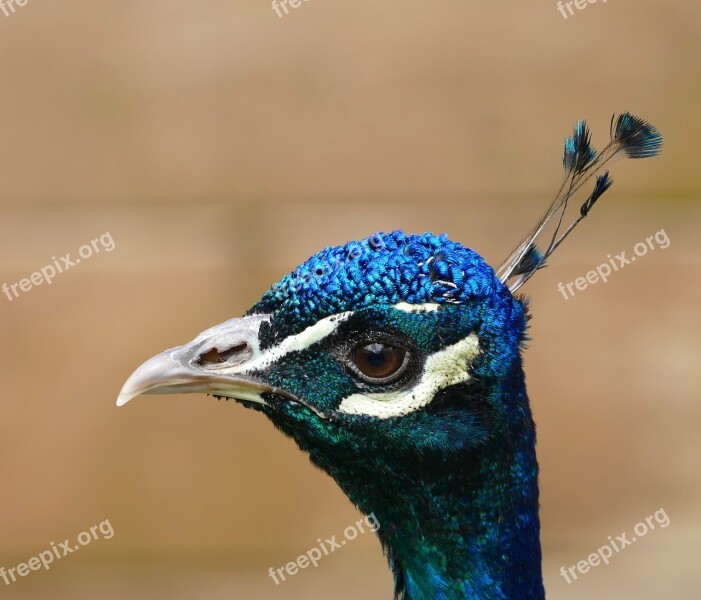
column 213, row 363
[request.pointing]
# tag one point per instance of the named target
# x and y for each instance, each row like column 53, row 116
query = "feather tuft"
column 603, row 183
column 578, row 153
column 636, row 137
column 630, row 136
column 532, row 260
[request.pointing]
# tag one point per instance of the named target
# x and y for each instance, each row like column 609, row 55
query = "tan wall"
column 220, row 146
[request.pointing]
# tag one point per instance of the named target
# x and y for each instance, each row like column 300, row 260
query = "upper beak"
column 215, row 362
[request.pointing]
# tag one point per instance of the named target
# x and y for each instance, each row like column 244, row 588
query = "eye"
column 379, row 362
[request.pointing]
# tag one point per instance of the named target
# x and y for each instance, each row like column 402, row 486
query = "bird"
column 395, row 363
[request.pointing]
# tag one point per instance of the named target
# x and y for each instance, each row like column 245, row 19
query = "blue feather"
column 603, row 183
column 637, row 137
column 578, row 153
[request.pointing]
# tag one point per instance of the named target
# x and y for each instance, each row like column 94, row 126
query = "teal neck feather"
column 459, row 525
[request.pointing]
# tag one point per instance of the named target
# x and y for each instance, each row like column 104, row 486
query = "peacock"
column 395, row 363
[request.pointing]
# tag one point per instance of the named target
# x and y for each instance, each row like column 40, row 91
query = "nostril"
column 236, row 355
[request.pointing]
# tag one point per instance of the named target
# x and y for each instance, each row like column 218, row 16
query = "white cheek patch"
column 442, row 369
column 417, row 308
column 294, row 343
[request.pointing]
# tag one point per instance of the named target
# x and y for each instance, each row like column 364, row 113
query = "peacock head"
column 395, row 363
column 395, row 341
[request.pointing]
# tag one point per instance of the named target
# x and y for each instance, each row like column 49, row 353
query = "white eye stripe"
column 310, row 336
column 442, row 369
column 294, row 343
column 417, row 308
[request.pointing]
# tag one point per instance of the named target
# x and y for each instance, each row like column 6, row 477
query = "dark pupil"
column 378, row 360
column 375, row 355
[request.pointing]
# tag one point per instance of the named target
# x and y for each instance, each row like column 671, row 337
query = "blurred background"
column 220, row 145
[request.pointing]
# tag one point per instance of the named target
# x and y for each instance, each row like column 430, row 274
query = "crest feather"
column 631, row 136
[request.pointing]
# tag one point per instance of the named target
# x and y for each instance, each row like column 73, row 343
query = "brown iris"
column 378, row 360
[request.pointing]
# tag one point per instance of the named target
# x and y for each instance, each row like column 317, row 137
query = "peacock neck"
column 462, row 526
column 479, row 539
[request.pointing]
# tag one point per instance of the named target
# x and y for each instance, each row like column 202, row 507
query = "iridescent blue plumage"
column 384, row 268
column 637, row 137
column 578, row 151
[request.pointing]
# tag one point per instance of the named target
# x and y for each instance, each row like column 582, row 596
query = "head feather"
column 630, row 136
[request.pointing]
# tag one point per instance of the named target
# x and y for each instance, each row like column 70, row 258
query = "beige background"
column 221, row 146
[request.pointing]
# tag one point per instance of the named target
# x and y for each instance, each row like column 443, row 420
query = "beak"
column 215, row 362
